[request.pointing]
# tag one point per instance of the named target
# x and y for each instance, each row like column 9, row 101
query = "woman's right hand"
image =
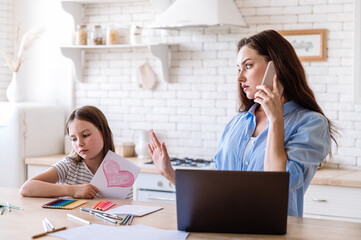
column 84, row 191
column 160, row 157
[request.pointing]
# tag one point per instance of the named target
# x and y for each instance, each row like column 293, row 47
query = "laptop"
column 232, row 201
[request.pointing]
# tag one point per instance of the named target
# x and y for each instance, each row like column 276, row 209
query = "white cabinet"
column 152, row 187
column 37, row 165
column 76, row 52
column 330, row 202
column 33, row 170
column 28, row 130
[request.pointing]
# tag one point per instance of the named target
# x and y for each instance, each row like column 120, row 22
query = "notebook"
column 232, row 201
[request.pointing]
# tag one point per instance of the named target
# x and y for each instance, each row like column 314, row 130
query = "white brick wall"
column 6, row 43
column 190, row 112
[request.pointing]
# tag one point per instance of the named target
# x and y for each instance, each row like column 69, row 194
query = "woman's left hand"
column 270, row 100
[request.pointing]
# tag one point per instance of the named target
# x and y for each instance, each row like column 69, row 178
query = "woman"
column 271, row 132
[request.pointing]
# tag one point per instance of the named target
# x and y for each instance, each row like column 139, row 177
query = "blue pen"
column 94, row 211
column 102, row 213
column 105, row 218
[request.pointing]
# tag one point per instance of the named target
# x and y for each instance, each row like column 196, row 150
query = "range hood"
column 199, row 13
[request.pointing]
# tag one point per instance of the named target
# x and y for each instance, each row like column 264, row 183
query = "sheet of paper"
column 115, row 176
column 136, row 210
column 134, row 232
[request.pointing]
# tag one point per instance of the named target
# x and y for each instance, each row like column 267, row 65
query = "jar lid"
column 81, row 25
column 97, row 26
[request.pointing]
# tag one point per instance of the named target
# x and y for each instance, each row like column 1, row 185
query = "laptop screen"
column 232, row 201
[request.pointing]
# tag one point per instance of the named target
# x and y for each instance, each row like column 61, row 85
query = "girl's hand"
column 84, row 191
column 160, row 157
column 270, row 100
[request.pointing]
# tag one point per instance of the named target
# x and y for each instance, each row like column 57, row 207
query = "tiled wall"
column 190, row 112
column 6, row 43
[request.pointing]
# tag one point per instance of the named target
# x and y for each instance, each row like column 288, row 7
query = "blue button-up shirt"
column 307, row 143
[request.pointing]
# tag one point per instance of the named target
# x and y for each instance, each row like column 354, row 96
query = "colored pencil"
column 104, row 205
column 60, row 203
column 102, row 213
column 95, row 206
column 101, row 205
column 106, row 218
column 64, row 204
column 125, row 220
column 130, row 220
column 109, row 205
column 45, row 233
column 73, row 204
column 54, row 201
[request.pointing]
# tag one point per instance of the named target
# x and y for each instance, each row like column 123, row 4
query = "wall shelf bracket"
column 162, row 52
column 77, row 57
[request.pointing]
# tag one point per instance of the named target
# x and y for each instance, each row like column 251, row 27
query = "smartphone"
column 268, row 77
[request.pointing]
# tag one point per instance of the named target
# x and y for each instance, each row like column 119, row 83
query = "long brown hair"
column 95, row 116
column 290, row 73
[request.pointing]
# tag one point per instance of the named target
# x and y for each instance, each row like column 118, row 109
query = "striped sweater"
column 72, row 172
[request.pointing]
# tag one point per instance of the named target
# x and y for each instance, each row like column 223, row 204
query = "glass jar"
column 96, row 35
column 81, row 34
column 112, row 36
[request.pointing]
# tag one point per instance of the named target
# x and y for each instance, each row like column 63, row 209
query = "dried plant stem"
column 27, row 40
column 9, row 62
column 17, row 39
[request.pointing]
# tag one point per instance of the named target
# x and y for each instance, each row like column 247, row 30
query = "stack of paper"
column 136, row 210
column 135, row 232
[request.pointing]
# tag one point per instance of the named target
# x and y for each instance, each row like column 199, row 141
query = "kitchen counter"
column 25, row 223
column 324, row 176
column 338, row 177
column 50, row 160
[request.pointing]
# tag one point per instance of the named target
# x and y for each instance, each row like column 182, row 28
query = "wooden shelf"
column 76, row 54
column 122, row 46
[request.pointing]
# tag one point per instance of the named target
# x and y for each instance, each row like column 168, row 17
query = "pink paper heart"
column 116, row 177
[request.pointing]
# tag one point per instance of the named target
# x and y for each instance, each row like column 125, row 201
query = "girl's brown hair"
column 289, row 70
column 95, row 116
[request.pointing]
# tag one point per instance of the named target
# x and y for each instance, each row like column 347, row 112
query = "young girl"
column 91, row 139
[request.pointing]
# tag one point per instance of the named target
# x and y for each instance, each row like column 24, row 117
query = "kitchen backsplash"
column 190, row 112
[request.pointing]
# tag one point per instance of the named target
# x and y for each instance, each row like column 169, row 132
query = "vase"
column 14, row 92
column 141, row 147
